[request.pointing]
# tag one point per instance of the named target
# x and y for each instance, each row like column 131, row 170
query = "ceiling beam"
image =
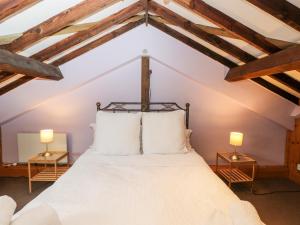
column 190, row 42
column 285, row 60
column 282, row 10
column 51, row 51
column 6, row 75
column 11, row 7
column 177, row 20
column 15, row 63
column 273, row 88
column 6, row 39
column 97, row 42
column 81, row 36
column 191, row 27
column 15, row 84
column 175, row 34
column 56, row 23
column 222, row 20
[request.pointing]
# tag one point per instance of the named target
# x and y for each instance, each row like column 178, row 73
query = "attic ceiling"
column 55, row 31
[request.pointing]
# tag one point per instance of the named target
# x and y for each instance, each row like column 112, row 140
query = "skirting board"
column 261, row 172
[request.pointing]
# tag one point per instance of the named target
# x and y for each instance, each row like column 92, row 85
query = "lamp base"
column 235, row 157
column 46, row 154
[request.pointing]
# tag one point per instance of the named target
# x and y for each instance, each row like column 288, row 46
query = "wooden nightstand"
column 51, row 171
column 233, row 174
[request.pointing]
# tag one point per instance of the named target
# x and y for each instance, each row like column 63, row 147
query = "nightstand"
column 50, row 171
column 233, row 173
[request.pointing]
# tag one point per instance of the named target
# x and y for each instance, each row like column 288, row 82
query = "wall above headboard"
column 212, row 115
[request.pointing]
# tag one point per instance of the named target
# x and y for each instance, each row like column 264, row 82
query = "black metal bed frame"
column 153, row 107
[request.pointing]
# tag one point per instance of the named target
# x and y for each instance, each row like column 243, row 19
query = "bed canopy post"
column 187, row 113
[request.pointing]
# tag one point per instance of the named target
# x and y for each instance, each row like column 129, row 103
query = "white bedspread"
column 175, row 189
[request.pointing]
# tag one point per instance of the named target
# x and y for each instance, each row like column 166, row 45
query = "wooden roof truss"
column 163, row 19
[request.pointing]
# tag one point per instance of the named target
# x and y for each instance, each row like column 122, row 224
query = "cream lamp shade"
column 236, row 138
column 46, row 136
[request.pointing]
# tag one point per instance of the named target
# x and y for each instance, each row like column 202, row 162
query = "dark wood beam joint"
column 15, row 63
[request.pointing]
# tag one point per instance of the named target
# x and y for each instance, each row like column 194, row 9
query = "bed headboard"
column 153, row 107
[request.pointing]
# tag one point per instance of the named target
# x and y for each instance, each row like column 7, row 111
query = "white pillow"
column 243, row 212
column 118, row 133
column 7, row 209
column 164, row 132
column 41, row 215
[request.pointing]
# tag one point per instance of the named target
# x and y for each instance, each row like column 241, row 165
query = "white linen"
column 41, row 215
column 174, row 189
column 7, row 209
column 244, row 213
column 118, row 133
column 163, row 132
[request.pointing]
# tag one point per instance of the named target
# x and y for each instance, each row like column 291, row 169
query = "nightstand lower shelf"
column 234, row 175
column 49, row 174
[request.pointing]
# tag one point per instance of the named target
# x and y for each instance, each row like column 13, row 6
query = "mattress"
column 177, row 189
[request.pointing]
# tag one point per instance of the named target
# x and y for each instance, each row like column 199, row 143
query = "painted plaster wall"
column 213, row 115
column 111, row 73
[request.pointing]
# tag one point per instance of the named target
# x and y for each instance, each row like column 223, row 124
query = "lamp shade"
column 46, row 136
column 236, row 138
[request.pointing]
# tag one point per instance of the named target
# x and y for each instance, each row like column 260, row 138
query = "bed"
column 154, row 189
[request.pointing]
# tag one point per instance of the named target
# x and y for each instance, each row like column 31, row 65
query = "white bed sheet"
column 178, row 189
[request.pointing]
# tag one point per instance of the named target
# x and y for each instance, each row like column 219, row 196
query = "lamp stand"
column 235, row 156
column 46, row 153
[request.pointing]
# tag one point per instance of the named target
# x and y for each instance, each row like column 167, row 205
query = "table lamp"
column 46, row 137
column 236, row 139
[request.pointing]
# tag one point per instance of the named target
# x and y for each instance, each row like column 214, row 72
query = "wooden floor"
column 274, row 209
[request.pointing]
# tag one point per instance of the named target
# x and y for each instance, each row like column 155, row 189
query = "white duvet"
column 178, row 189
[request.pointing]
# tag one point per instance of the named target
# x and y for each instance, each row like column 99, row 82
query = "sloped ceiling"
column 162, row 48
column 266, row 103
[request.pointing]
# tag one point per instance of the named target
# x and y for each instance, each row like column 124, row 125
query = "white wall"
column 111, row 73
column 213, row 115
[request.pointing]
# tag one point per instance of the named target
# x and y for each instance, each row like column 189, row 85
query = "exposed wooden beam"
column 222, row 20
column 97, row 42
column 175, row 34
column 116, row 18
column 273, row 88
column 285, row 60
column 287, row 81
column 224, row 33
column 214, row 40
column 191, row 27
column 15, row 84
column 11, row 7
column 58, row 22
column 81, row 36
column 5, row 76
column 145, row 83
column 15, row 63
column 146, row 12
column 6, row 39
column 190, row 42
column 282, row 10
